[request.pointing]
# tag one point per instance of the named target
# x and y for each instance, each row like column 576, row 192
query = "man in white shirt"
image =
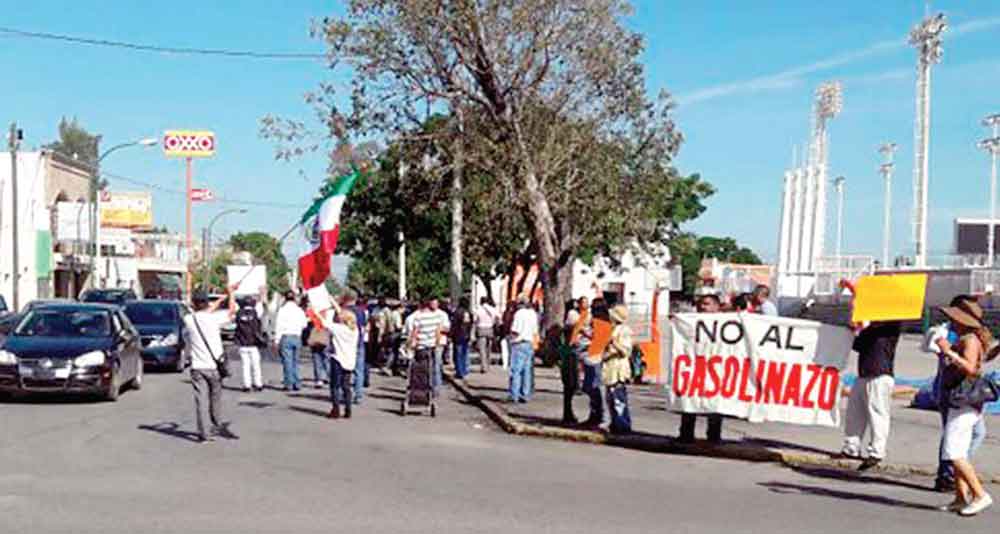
column 288, row 327
column 204, row 342
column 486, row 320
column 523, row 338
column 762, row 302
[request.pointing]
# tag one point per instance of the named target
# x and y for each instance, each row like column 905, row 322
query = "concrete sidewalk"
column 913, row 442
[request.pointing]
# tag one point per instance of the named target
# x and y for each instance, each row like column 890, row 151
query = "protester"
column 442, row 340
column 964, row 366
column 374, row 355
column 461, row 330
column 592, row 362
column 250, row 339
column 707, row 303
column 869, row 406
column 317, row 339
column 288, row 327
column 939, row 340
column 424, row 329
column 761, row 301
column 523, row 342
column 361, row 321
column 503, row 332
column 344, row 339
column 202, row 333
column 486, row 321
column 569, row 370
column 617, row 372
column 742, row 303
column 393, row 337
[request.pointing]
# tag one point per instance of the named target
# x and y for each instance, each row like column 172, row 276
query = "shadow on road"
column 309, row 411
column 852, row 476
column 786, row 488
column 397, row 398
column 171, row 429
column 256, row 404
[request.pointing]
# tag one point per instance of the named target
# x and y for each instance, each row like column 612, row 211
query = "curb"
column 666, row 445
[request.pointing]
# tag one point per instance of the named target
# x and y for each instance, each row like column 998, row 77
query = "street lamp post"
column 208, row 244
column 838, row 186
column 887, row 150
column 992, row 145
column 95, row 211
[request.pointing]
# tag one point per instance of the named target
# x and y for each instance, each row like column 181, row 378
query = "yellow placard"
column 893, row 297
column 189, row 143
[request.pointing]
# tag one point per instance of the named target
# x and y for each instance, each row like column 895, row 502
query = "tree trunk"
column 455, row 279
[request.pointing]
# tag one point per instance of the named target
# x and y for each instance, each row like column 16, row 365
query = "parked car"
column 72, row 348
column 161, row 331
column 108, row 296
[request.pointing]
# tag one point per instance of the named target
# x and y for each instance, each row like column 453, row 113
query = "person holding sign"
column 707, row 303
column 871, row 396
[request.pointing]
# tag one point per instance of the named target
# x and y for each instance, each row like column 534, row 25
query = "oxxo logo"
column 189, row 143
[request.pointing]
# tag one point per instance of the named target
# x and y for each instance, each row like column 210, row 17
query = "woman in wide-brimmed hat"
column 616, row 371
column 965, row 363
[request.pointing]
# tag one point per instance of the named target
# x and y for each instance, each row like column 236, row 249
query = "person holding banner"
column 965, row 363
column 869, row 406
column 707, row 303
column 344, row 338
column 616, row 371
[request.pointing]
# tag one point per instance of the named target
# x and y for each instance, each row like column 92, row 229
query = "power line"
column 221, row 200
column 250, row 54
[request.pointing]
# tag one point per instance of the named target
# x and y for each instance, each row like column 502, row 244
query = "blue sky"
column 743, row 74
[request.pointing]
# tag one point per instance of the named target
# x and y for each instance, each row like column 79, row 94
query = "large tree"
column 76, row 142
column 547, row 100
column 265, row 250
column 689, row 249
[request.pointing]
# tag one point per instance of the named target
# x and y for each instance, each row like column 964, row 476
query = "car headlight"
column 7, row 358
column 89, row 359
column 168, row 340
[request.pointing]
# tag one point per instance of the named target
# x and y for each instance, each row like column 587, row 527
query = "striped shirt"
column 425, row 325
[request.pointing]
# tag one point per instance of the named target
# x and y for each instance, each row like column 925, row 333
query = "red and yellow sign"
column 189, row 143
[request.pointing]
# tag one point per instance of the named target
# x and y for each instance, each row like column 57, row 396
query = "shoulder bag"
column 974, row 392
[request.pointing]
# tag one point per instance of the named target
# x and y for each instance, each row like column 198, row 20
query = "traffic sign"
column 189, row 143
column 202, row 195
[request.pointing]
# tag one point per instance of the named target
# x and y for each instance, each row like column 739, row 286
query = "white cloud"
column 795, row 76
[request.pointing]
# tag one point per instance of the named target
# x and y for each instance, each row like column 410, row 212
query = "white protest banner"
column 758, row 367
column 249, row 277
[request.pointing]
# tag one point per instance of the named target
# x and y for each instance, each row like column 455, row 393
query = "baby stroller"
column 419, row 390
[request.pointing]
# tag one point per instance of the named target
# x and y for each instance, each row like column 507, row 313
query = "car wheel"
column 137, row 381
column 111, row 395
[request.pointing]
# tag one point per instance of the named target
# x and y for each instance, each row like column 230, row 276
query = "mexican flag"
column 322, row 224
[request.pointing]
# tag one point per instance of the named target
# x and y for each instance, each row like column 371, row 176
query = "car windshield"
column 65, row 323
column 151, row 312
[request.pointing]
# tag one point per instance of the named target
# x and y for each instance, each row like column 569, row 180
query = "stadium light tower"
column 885, row 169
column 827, row 105
column 838, row 186
column 926, row 38
column 992, row 145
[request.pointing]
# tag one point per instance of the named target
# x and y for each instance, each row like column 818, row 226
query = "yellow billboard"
column 189, row 143
column 127, row 210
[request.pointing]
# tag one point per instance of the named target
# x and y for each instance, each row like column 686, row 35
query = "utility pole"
column 887, row 150
column 204, row 259
column 838, row 186
column 13, row 142
column 992, row 145
column 455, row 280
column 402, row 243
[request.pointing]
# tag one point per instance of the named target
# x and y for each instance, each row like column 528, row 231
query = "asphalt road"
column 77, row 466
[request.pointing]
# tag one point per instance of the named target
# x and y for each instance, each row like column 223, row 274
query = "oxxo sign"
column 189, row 143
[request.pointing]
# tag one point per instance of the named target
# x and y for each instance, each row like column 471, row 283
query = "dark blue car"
column 160, row 324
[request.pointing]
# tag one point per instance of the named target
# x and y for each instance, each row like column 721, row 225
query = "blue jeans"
column 461, row 357
column 520, row 371
column 621, row 419
column 289, row 348
column 321, row 365
column 593, row 388
column 946, row 472
column 340, row 386
column 437, row 377
column 359, row 375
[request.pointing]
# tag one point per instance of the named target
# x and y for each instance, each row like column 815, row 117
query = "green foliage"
column 690, row 249
column 76, row 141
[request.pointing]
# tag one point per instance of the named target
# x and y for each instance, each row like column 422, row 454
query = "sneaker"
column 954, row 506
column 869, row 463
column 848, row 454
column 334, row 414
column 977, row 505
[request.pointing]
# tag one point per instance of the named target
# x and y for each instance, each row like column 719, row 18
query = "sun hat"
column 619, row 314
column 966, row 313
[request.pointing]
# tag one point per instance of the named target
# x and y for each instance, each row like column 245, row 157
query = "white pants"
column 250, row 357
column 869, row 409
